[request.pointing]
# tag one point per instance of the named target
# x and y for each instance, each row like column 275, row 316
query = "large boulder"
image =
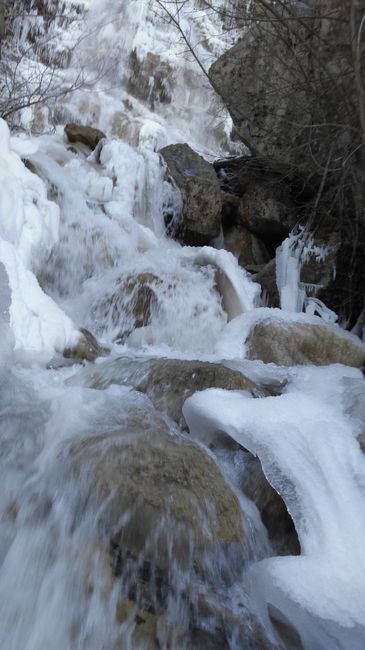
column 253, row 78
column 200, row 192
column 302, row 340
column 269, row 81
column 165, row 528
column 85, row 134
column 167, row 382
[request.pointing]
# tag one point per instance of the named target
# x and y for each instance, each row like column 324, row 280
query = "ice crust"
column 305, row 441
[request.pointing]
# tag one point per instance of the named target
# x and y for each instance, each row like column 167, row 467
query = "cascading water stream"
column 119, row 530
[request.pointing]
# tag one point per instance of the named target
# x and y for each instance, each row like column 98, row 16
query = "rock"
column 159, row 495
column 168, row 382
column 150, row 79
column 171, row 381
column 86, row 349
column 229, row 209
column 130, row 305
column 266, row 277
column 85, row 134
column 302, row 342
column 200, row 192
column 246, row 247
column 261, row 211
column 252, row 80
column 272, row 508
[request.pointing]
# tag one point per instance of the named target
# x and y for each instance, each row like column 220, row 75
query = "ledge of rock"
column 200, row 192
column 85, row 134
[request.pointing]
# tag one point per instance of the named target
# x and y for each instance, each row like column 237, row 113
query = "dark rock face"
column 266, row 276
column 299, row 343
column 200, row 192
column 84, row 134
column 253, row 82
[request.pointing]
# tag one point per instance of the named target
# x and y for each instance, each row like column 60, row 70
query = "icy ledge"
column 306, row 442
column 28, row 231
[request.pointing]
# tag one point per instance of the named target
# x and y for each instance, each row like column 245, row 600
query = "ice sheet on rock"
column 28, row 232
column 305, row 442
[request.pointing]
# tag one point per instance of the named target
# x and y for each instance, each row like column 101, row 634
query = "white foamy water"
column 83, row 244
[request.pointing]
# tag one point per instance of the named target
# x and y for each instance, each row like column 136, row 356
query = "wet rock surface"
column 130, row 307
column 200, row 192
column 172, row 529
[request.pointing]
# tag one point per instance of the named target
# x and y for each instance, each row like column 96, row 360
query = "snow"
column 305, row 441
column 28, row 232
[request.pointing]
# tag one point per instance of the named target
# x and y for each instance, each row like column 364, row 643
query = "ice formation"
column 305, row 441
column 28, row 232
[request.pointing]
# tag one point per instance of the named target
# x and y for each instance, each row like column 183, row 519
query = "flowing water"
column 118, row 528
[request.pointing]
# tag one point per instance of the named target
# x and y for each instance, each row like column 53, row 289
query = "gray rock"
column 85, row 134
column 253, row 80
column 274, row 340
column 200, row 192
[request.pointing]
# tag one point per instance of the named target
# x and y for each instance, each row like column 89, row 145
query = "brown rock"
column 274, row 340
column 249, row 249
column 85, row 134
column 168, row 382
